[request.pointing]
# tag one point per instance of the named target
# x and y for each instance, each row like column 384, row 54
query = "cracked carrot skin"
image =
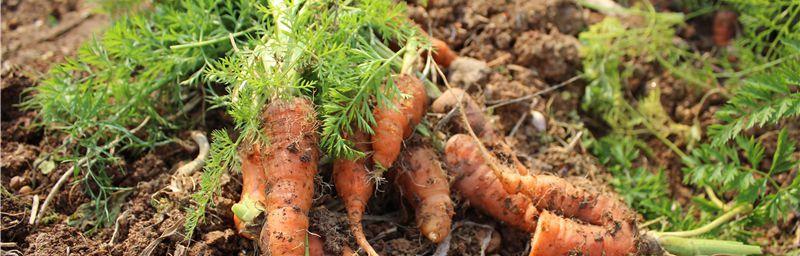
column 424, row 184
column 392, row 124
column 478, row 185
column 254, row 189
column 353, row 184
column 290, row 162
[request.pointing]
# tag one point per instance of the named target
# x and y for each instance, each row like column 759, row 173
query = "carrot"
column 556, row 235
column 424, row 185
column 393, row 124
column 442, row 54
column 354, row 185
column 724, row 27
column 415, row 106
column 480, row 187
column 612, row 231
column 477, row 120
column 254, row 189
column 315, row 246
column 290, row 162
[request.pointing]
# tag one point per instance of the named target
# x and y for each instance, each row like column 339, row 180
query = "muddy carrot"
column 602, row 212
column 425, row 186
column 353, row 184
column 556, row 235
column 476, row 183
column 290, row 162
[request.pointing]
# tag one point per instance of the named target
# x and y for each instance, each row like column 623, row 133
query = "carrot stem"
column 722, row 219
column 213, row 40
column 693, row 246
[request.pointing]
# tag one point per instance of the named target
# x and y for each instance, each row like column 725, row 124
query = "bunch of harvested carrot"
column 425, row 186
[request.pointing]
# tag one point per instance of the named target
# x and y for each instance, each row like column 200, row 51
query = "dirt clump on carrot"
column 290, row 162
column 425, row 186
column 354, row 185
column 394, row 123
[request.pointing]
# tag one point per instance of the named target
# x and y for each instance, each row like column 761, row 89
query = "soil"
column 529, row 46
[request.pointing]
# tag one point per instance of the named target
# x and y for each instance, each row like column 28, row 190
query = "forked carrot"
column 611, row 225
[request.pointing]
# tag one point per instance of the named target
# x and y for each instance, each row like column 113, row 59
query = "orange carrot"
column 290, row 162
column 724, row 27
column 478, row 185
column 415, row 106
column 556, row 235
column 424, row 185
column 477, row 120
column 254, row 189
column 442, row 54
column 315, row 246
column 612, row 231
column 352, row 181
column 392, row 124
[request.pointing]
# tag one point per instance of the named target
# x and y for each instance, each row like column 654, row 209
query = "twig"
column 169, row 232
column 444, row 246
column 121, row 217
column 501, row 103
column 517, row 125
column 198, row 162
column 82, row 161
column 34, row 209
column 7, row 244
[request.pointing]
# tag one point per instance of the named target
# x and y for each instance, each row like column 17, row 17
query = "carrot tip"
column 433, row 236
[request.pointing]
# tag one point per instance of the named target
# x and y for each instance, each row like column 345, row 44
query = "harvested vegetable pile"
column 377, row 127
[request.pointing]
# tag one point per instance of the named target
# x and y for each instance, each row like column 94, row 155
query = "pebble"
column 16, row 182
column 25, row 190
column 538, row 121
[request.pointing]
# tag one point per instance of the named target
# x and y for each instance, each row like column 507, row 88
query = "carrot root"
column 478, row 185
column 610, row 228
column 353, row 184
column 424, row 184
column 291, row 164
column 393, row 124
column 254, row 198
